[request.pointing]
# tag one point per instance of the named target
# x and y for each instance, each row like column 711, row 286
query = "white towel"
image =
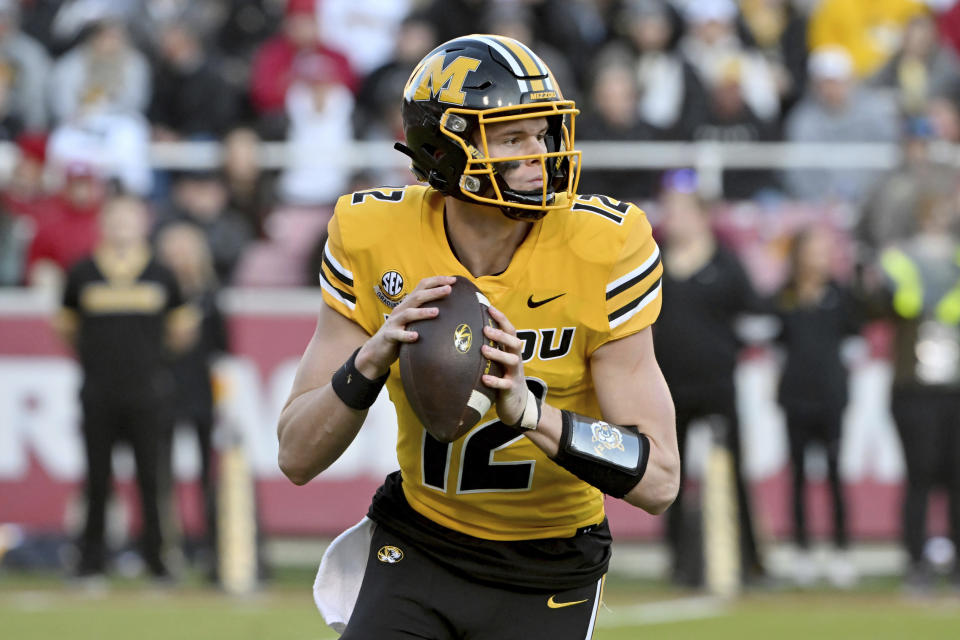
column 341, row 573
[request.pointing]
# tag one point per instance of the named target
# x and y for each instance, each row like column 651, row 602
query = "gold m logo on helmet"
column 444, row 82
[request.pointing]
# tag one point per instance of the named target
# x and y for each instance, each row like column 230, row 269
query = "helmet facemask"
column 483, row 176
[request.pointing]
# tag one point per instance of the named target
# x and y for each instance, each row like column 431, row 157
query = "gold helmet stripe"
column 528, row 59
column 534, row 65
column 515, row 65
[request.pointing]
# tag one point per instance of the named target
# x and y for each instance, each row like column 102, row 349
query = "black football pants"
column 410, row 596
column 804, row 427
column 107, row 421
column 717, row 404
column 928, row 422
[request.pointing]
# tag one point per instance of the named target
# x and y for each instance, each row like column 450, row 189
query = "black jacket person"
column 122, row 311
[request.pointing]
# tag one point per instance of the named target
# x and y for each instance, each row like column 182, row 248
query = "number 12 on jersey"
column 478, row 472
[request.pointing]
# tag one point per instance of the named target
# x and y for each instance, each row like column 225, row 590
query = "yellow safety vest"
column 908, row 294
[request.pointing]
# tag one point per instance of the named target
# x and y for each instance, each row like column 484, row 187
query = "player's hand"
column 512, row 386
column 380, row 351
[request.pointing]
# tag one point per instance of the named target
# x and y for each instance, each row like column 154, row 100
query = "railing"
column 709, row 158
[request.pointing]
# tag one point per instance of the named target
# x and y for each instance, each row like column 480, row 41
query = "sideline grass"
column 44, row 608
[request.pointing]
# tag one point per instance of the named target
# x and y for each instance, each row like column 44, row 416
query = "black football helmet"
column 459, row 89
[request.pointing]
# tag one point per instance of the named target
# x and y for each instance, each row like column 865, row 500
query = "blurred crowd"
column 87, row 85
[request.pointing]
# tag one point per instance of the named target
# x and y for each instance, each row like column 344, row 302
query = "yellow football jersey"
column 584, row 276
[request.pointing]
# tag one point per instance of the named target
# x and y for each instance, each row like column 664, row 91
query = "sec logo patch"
column 390, row 288
column 389, row 554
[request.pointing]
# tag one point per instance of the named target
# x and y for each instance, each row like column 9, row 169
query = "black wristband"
column 612, row 458
column 356, row 391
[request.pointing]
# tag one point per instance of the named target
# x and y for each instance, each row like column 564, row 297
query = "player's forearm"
column 660, row 483
column 315, row 428
column 548, row 431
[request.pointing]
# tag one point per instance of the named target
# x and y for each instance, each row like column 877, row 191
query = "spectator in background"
column 201, row 198
column 31, row 69
column 817, row 314
column 944, row 115
column 104, row 68
column 377, row 112
column 917, row 288
column 579, row 29
column 182, row 248
column 376, row 115
column 948, row 23
column 191, row 98
column 922, row 67
column 24, row 193
column 114, row 141
column 275, row 64
column 15, row 233
column 868, row 30
column 453, row 18
column 246, row 25
column 22, row 200
column 613, row 115
column 889, row 212
column 671, row 96
column 731, row 120
column 320, row 111
column 517, row 21
column 375, row 23
column 251, row 190
column 11, row 125
column 779, row 31
column 68, row 227
column 705, row 291
column 711, row 40
column 837, row 109
column 121, row 311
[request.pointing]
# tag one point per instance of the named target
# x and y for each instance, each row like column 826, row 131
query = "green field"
column 44, row 608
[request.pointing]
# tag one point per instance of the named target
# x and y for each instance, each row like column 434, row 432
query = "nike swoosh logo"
column 553, row 604
column 533, row 304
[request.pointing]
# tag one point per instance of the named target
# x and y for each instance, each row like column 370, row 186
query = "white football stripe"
column 336, row 294
column 343, row 271
column 643, row 267
column 541, row 67
column 483, row 299
column 647, row 299
column 596, row 607
column 511, row 60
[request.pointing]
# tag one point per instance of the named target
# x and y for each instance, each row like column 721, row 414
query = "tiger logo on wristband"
column 606, row 436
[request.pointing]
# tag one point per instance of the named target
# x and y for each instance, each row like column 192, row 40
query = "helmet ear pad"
column 440, row 159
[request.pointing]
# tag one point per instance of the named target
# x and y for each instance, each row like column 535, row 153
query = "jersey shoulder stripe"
column 635, row 306
column 333, row 290
column 631, row 291
column 624, row 282
column 336, row 269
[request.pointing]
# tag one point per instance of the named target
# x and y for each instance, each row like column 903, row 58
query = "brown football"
column 441, row 371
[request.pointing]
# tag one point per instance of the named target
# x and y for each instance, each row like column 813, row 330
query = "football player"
column 501, row 533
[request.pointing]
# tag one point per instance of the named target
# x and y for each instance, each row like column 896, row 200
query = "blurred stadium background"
column 249, row 117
